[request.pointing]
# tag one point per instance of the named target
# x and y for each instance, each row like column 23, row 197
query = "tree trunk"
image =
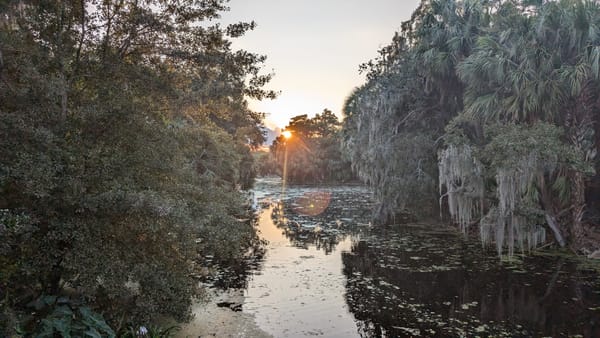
column 581, row 133
column 555, row 229
column 546, row 201
column 578, row 207
column 64, row 95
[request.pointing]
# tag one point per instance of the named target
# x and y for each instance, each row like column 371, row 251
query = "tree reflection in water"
column 421, row 280
column 412, row 281
column 322, row 218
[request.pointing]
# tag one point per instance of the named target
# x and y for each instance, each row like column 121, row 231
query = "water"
column 300, row 290
column 328, row 272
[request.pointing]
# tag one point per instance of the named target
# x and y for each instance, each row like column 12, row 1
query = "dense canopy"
column 308, row 151
column 125, row 140
column 489, row 111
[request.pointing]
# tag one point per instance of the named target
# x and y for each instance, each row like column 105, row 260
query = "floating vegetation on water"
column 467, row 306
column 321, row 217
column 425, row 280
column 429, row 280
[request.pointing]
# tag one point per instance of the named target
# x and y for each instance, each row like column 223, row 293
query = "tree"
column 393, row 122
column 313, row 151
column 505, row 92
column 539, row 68
column 125, row 138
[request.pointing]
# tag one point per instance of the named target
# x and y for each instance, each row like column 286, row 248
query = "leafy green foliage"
column 312, row 154
column 63, row 320
column 412, row 88
column 512, row 83
column 510, row 144
column 125, row 141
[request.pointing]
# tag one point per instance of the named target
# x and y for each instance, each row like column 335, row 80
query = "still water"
column 328, row 272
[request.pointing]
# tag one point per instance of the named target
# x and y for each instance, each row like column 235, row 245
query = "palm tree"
column 412, row 92
column 541, row 65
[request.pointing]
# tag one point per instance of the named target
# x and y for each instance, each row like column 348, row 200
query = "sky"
column 314, row 47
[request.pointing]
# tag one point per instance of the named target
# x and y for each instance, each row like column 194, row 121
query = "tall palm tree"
column 540, row 63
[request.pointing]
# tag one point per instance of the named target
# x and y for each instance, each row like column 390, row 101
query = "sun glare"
column 287, row 134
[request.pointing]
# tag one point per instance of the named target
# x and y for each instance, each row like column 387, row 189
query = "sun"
column 286, row 134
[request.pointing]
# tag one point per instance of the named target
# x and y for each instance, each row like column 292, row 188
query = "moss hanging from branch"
column 461, row 174
column 505, row 232
column 521, row 157
column 514, row 221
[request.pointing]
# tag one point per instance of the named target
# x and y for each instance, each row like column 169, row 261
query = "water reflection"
column 429, row 281
column 327, row 272
column 300, row 291
column 322, row 217
column 236, row 274
column 412, row 281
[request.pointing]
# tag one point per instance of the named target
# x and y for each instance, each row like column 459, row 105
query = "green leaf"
column 95, row 320
column 47, row 329
column 62, row 311
column 63, row 326
column 91, row 332
column 48, row 300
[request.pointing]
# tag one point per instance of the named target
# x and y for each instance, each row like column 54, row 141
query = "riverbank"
column 212, row 320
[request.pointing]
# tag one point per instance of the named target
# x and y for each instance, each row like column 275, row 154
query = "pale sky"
column 314, row 47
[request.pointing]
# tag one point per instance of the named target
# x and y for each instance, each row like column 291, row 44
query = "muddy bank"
column 219, row 317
